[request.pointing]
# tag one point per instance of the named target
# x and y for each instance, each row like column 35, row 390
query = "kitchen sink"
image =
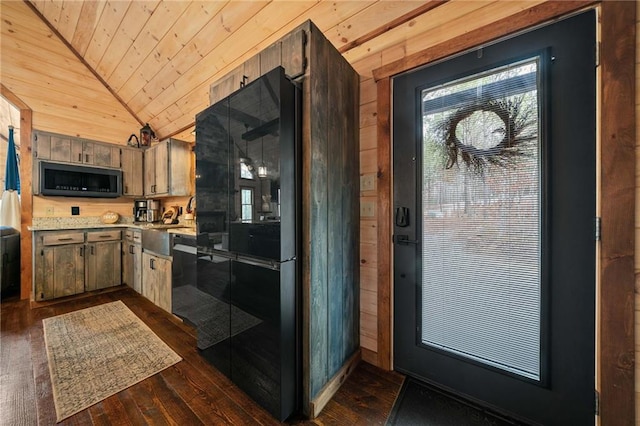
column 157, row 241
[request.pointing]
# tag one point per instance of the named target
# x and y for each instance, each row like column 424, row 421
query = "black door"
column 494, row 198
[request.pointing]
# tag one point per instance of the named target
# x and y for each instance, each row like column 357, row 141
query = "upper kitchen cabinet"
column 100, row 154
column 132, row 175
column 168, row 169
column 69, row 149
column 289, row 53
column 53, row 147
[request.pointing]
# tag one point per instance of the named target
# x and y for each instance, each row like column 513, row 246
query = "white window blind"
column 481, row 235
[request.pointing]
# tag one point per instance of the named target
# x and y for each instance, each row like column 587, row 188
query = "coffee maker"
column 153, row 211
column 146, row 211
column 140, row 211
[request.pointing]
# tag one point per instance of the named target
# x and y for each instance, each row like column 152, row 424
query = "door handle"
column 404, row 239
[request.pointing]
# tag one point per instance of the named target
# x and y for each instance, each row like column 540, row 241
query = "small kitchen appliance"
column 140, row 211
column 153, row 211
column 146, row 211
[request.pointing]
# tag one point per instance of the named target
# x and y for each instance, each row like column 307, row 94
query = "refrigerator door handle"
column 265, row 263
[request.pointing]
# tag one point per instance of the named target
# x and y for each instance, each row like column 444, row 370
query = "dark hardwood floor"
column 189, row 393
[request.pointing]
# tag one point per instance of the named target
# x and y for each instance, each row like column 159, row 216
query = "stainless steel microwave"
column 71, row 180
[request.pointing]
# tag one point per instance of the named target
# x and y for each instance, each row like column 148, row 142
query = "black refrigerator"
column 247, row 214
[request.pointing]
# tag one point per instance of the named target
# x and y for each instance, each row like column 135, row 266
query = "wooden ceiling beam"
column 483, row 35
column 392, row 24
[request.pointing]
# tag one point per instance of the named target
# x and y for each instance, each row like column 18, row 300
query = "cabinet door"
column 131, row 172
column 163, row 279
column 87, row 152
column 149, row 284
column 156, row 280
column 63, row 271
column 227, row 85
column 137, row 268
column 77, row 151
column 105, row 155
column 60, row 148
column 42, row 145
column 181, row 160
column 162, row 168
column 127, row 264
column 132, row 266
column 150, row 171
column 104, row 265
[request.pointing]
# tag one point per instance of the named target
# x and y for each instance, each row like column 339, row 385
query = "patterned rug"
column 97, row 352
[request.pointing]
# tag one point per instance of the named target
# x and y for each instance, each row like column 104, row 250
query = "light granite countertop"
column 64, row 223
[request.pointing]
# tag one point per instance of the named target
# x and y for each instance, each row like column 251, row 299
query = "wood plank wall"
column 331, row 221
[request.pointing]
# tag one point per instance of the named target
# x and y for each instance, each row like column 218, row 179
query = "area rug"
column 421, row 404
column 210, row 316
column 96, row 352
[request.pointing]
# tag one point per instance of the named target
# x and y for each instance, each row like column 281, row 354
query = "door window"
column 481, row 265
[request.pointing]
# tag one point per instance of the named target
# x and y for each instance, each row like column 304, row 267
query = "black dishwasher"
column 184, row 278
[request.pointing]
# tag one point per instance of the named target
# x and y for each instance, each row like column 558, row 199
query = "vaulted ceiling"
column 156, row 59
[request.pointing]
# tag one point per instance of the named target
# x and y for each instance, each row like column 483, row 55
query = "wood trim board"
column 26, row 199
column 385, row 312
column 520, row 21
column 328, row 391
column 617, row 137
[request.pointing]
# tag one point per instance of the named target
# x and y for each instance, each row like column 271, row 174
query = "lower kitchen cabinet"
column 156, row 280
column 132, row 260
column 72, row 262
column 58, row 265
column 103, row 260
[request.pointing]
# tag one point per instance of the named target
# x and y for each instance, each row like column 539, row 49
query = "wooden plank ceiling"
column 158, row 58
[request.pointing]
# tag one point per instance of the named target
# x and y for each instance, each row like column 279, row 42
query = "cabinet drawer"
column 133, row 236
column 63, row 238
column 94, row 236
